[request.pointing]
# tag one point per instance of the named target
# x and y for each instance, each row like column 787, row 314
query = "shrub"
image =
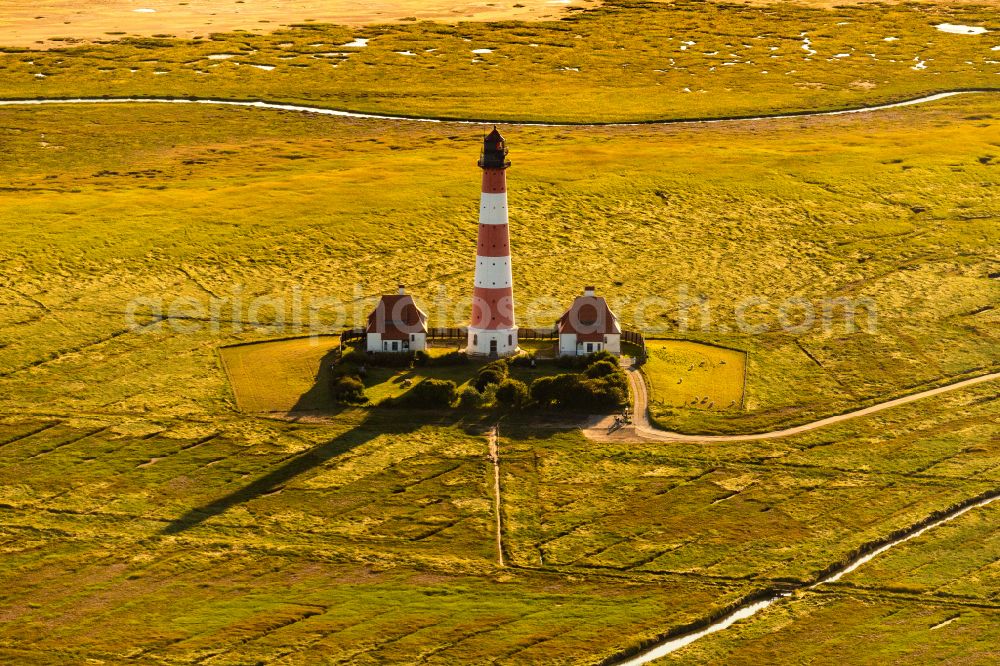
column 570, row 391
column 431, row 393
column 522, row 360
column 586, row 361
column 421, row 358
column 600, row 394
column 390, row 359
column 618, row 380
column 348, row 389
column 601, row 368
column 543, row 391
column 493, row 372
column 344, row 369
column 555, row 389
column 451, row 358
column 597, row 357
column 489, row 396
column 513, row 393
column 487, row 377
column 470, row 398
column 500, row 365
column 380, row 359
column 355, row 356
column 567, row 362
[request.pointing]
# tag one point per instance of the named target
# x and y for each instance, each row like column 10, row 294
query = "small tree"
column 348, row 389
column 431, row 393
column 543, row 391
column 487, row 377
column 602, row 368
column 512, row 393
column 451, row 358
column 470, row 398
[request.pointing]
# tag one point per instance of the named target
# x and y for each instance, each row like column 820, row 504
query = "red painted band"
column 494, row 181
column 492, row 308
column 494, row 241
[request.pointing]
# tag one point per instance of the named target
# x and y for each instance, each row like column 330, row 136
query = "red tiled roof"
column 590, row 319
column 396, row 316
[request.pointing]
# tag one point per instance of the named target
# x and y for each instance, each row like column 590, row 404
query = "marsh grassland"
column 149, row 511
column 690, row 59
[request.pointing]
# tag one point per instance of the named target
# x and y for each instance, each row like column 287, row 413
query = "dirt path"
column 642, row 428
column 494, row 440
column 319, row 110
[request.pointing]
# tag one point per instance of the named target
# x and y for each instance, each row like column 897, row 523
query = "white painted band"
column 493, row 273
column 493, row 208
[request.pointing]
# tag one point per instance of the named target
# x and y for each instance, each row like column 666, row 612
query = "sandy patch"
column 35, row 23
column 961, row 29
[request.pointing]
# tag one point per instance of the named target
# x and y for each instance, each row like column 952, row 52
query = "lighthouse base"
column 492, row 342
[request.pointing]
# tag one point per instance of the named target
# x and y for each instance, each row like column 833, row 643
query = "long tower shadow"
column 275, row 479
column 314, row 402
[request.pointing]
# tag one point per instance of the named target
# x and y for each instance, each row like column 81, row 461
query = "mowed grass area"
column 281, row 376
column 691, row 59
column 930, row 600
column 230, row 206
column 681, row 373
column 292, row 376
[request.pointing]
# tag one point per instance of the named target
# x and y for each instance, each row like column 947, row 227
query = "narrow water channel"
column 750, row 609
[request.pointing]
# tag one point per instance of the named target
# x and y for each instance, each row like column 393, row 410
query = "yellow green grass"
column 930, row 600
column 681, row 373
column 691, row 59
column 895, row 207
column 144, row 518
column 371, row 537
column 276, row 376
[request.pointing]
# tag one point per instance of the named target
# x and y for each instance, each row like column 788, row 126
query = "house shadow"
column 318, row 400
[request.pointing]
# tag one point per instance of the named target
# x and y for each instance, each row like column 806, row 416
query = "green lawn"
column 281, row 376
column 687, row 374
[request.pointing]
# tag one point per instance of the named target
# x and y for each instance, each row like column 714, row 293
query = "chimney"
column 588, row 291
column 402, row 290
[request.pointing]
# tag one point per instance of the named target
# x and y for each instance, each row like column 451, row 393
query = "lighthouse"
column 492, row 331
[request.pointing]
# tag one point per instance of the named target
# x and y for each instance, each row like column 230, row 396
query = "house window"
column 590, row 347
column 395, row 346
column 510, row 340
column 413, row 337
column 385, row 346
column 475, row 340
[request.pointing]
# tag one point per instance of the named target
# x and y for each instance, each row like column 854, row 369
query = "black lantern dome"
column 494, row 155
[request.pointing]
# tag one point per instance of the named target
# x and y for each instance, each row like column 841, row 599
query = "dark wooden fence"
column 351, row 334
column 637, row 339
column 459, row 333
column 462, row 333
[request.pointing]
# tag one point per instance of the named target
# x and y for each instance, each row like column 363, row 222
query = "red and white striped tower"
column 492, row 331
